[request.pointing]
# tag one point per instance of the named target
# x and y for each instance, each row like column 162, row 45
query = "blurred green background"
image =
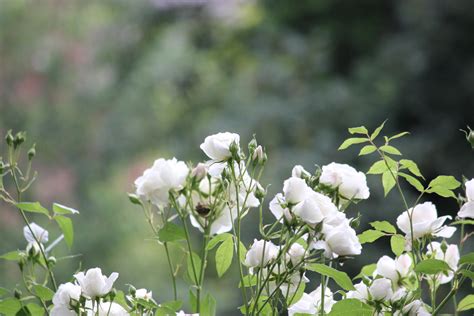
column 106, row 87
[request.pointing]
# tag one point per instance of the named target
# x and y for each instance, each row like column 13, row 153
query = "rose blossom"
column 467, row 210
column 217, row 146
column 350, row 183
column 94, row 283
column 261, row 253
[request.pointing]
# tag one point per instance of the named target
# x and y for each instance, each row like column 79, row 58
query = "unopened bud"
column 52, row 261
column 132, row 290
column 299, row 172
column 199, row 172
column 19, row 139
column 470, row 137
column 32, row 152
column 444, row 246
column 134, row 199
column 260, row 193
column 258, row 155
column 235, row 151
column 33, row 249
column 17, row 293
column 252, row 146
column 113, row 294
column 9, row 138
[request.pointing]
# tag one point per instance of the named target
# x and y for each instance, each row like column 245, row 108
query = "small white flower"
column 165, row 175
column 311, row 303
column 451, row 257
column 381, row 289
column 296, row 253
column 299, row 172
column 361, row 292
column 394, row 269
column 314, row 208
column 94, row 283
column 415, row 308
column 467, row 210
column 67, row 296
column 350, row 183
column 199, row 172
column 425, row 221
column 39, row 232
column 295, row 190
column 278, row 210
column 340, row 240
column 217, row 146
column 261, row 253
column 144, row 294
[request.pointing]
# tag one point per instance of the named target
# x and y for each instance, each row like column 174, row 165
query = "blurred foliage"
column 105, row 87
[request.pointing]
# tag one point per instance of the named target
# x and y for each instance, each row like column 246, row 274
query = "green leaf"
column 367, row 149
column 293, row 298
column 33, row 207
column 384, row 226
column 467, row 259
column 35, row 309
column 378, row 167
column 397, row 243
column 63, row 210
column 65, row 224
column 208, row 306
column 11, row 256
column 367, row 270
column 341, row 278
column 217, row 240
column 168, row 308
column 447, row 182
column 248, row 281
column 224, row 256
column 466, row 303
column 171, row 232
column 390, row 150
column 197, row 265
column 398, row 135
column 352, row 141
column 243, row 252
column 43, row 292
column 370, row 236
column 351, row 307
column 9, row 306
column 431, row 266
column 358, row 130
column 414, row 182
column 377, row 131
column 388, row 182
column 447, row 193
column 411, row 166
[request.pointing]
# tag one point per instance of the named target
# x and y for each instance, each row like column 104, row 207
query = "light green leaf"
column 43, row 292
column 171, row 232
column 358, row 130
column 466, row 303
column 197, row 266
column 208, row 306
column 397, row 243
column 377, row 131
column 390, row 150
column 388, row 182
column 293, row 298
column 249, row 280
column 398, row 135
column 35, row 309
column 384, row 226
column 33, row 207
column 447, row 193
column 351, row 307
column 367, row 149
column 65, row 224
column 467, row 259
column 378, row 167
column 217, row 240
column 411, row 166
column 11, row 256
column 9, row 306
column 341, row 278
column 351, row 141
column 63, row 210
column 224, row 256
column 367, row 270
column 431, row 266
column 243, row 252
column 447, row 182
column 370, row 236
column 414, row 182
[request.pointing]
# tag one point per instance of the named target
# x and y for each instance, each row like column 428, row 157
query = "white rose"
column 350, row 183
column 361, row 292
column 415, row 308
column 157, row 181
column 217, row 146
column 39, row 232
column 144, row 294
column 311, row 303
column 261, row 253
column 314, row 208
column 425, row 222
column 296, row 253
column 340, row 240
column 467, row 210
column 399, row 294
column 394, row 269
column 451, row 257
column 299, row 172
column 200, row 171
column 94, row 283
column 277, row 210
column 112, row 309
column 381, row 289
column 295, row 190
column 67, row 295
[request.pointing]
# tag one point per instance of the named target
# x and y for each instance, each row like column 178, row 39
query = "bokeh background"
column 106, row 87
